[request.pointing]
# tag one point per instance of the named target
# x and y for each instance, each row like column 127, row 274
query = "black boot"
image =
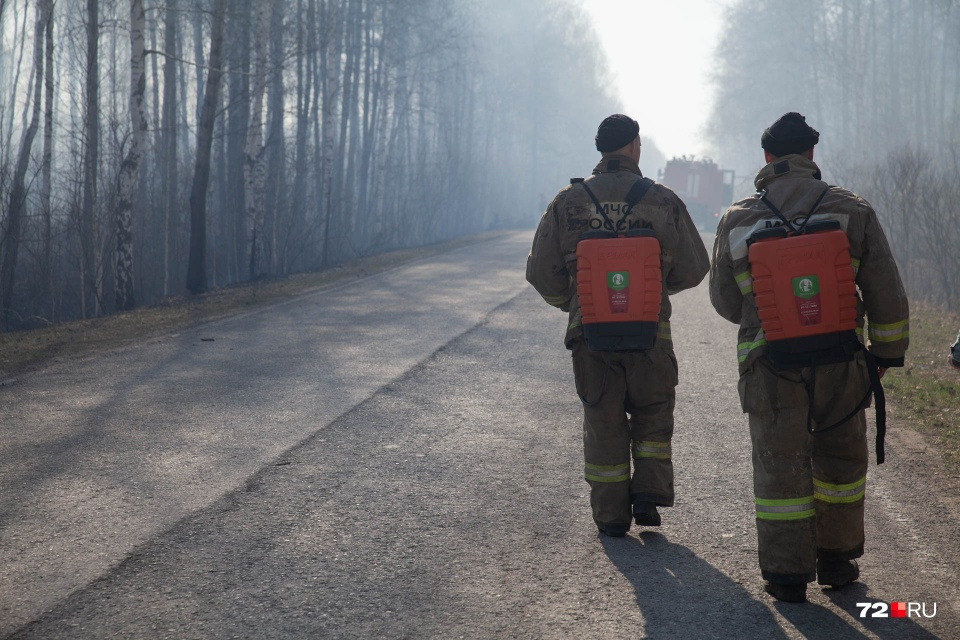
column 786, row 592
column 645, row 514
column 835, row 573
column 613, row 529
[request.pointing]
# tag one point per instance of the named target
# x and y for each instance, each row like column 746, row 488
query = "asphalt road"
column 400, row 457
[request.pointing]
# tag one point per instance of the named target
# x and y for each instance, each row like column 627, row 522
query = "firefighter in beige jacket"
column 809, row 487
column 628, row 397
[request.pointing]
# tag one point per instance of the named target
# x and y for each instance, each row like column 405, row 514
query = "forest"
column 880, row 80
column 160, row 148
column 157, row 148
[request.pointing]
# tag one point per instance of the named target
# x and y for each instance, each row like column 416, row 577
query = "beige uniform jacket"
column 552, row 263
column 793, row 185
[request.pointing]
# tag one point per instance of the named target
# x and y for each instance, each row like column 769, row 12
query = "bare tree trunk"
column 88, row 232
column 304, row 77
column 198, row 58
column 46, row 184
column 348, row 45
column 374, row 65
column 317, row 64
column 220, row 254
column 197, row 268
column 169, row 140
column 253, row 169
column 350, row 130
column 18, row 190
column 157, row 130
column 275, row 195
column 5, row 157
column 330, row 50
column 130, row 169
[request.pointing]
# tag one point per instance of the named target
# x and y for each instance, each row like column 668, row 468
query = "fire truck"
column 704, row 187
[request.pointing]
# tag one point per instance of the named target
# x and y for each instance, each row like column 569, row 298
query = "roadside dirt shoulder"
column 22, row 352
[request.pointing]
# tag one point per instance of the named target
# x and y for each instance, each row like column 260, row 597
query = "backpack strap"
column 638, row 190
column 603, row 214
column 763, row 198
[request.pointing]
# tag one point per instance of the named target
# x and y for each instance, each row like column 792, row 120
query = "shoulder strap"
column 763, row 198
column 812, row 209
column 638, row 190
column 603, row 214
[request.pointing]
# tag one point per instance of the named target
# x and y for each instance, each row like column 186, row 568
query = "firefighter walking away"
column 609, row 251
column 805, row 268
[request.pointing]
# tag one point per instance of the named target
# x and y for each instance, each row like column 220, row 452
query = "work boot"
column 955, row 354
column 786, row 592
column 613, row 529
column 645, row 514
column 837, row 573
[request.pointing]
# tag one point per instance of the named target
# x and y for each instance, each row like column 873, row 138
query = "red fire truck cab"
column 704, row 187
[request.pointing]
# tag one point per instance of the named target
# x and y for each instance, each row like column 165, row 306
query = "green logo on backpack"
column 618, row 280
column 806, row 286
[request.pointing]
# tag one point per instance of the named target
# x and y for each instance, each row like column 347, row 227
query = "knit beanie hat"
column 789, row 134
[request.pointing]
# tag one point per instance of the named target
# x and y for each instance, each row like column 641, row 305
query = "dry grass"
column 926, row 392
column 23, row 351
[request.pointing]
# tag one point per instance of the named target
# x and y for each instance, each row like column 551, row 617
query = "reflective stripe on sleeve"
column 663, row 331
column 855, row 263
column 785, row 509
column 606, row 472
column 556, row 301
column 888, row 332
column 839, row 493
column 650, row 449
column 745, row 282
column 744, row 348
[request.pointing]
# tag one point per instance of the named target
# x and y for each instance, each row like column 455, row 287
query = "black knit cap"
column 789, row 134
column 616, row 132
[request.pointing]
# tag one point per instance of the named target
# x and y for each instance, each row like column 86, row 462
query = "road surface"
column 400, row 456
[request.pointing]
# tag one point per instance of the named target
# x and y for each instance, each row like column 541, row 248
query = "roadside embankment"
column 926, row 392
column 22, row 351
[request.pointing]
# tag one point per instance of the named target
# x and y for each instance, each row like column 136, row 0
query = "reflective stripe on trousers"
column 649, row 449
column 606, row 472
column 839, row 493
column 785, row 508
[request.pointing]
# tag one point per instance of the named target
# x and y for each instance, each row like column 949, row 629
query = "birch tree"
column 46, row 184
column 253, row 168
column 130, row 169
column 330, row 84
column 169, row 183
column 89, row 265
column 275, row 151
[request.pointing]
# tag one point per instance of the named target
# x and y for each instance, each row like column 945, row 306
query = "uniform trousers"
column 808, row 487
column 628, row 402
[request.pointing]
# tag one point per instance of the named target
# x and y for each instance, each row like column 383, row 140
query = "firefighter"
column 808, row 485
column 627, row 396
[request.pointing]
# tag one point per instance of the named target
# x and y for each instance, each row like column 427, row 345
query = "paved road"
column 400, row 457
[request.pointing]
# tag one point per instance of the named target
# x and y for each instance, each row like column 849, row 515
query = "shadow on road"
column 682, row 596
